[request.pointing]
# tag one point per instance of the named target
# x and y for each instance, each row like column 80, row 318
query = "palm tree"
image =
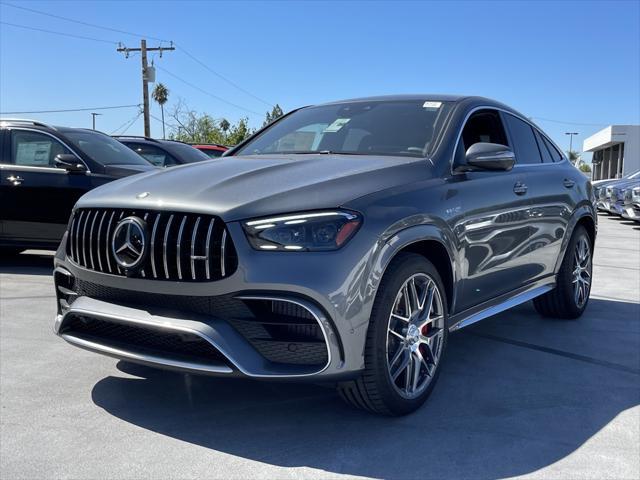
column 574, row 157
column 161, row 95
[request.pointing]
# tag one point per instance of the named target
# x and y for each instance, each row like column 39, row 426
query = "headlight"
column 312, row 231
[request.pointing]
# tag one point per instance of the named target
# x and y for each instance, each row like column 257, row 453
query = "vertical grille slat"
column 208, row 250
column 77, row 259
column 93, row 224
column 98, row 249
column 181, row 246
column 153, row 244
column 178, row 243
column 223, row 247
column 165, row 254
column 108, row 241
column 193, row 248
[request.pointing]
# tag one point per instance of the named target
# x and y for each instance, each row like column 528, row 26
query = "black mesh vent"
column 184, row 346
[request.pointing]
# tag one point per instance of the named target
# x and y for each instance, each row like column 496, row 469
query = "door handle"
column 520, row 188
column 568, row 183
column 15, row 180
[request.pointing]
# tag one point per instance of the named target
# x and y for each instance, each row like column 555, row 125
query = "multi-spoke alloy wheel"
column 415, row 334
column 573, row 282
column 406, row 339
column 581, row 271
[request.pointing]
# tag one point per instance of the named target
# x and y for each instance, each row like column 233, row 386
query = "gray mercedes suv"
column 340, row 244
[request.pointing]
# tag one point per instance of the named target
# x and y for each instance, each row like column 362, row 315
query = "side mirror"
column 69, row 162
column 490, row 156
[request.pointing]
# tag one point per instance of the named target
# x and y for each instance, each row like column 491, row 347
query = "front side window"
column 391, row 128
column 524, row 141
column 34, row 149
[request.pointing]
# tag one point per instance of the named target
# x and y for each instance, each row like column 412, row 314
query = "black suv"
column 163, row 153
column 43, row 172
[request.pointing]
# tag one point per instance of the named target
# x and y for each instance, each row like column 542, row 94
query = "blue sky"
column 562, row 61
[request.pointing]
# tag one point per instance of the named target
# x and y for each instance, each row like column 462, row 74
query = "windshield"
column 104, row 149
column 403, row 127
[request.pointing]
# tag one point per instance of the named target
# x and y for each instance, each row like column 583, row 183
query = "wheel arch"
column 430, row 242
column 585, row 216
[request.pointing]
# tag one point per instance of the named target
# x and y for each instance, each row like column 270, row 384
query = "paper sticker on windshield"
column 336, row 125
column 432, row 105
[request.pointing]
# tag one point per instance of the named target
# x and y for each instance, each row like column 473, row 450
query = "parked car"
column 632, row 203
column 613, row 197
column 212, row 150
column 163, row 153
column 43, row 172
column 600, row 189
column 339, row 244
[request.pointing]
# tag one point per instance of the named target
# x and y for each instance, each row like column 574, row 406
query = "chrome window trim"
column 46, row 169
column 499, row 109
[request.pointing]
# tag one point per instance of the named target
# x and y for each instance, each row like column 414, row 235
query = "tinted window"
column 524, row 141
column 34, row 149
column 358, row 128
column 152, row 154
column 544, row 150
column 484, row 126
column 186, row 153
column 555, row 154
column 211, row 153
column 103, row 149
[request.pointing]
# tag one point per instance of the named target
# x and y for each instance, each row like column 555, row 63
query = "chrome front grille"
column 180, row 246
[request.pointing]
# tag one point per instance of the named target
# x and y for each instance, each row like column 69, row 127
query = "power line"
column 70, row 110
column 111, row 29
column 570, row 123
column 80, row 22
column 205, row 92
column 219, row 75
column 82, row 37
column 128, row 124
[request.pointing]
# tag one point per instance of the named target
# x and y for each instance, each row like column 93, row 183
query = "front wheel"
column 570, row 297
column 405, row 342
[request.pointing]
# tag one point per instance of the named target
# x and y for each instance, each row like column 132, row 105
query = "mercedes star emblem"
column 128, row 242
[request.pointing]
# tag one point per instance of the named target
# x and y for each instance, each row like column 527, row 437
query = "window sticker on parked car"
column 337, row 124
column 431, row 105
column 33, row 153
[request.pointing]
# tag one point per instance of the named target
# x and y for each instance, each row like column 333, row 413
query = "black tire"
column 373, row 390
column 560, row 302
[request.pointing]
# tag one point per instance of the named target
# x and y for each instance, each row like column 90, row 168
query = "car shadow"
column 504, row 405
column 35, row 262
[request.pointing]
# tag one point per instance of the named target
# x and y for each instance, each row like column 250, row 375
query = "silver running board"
column 501, row 307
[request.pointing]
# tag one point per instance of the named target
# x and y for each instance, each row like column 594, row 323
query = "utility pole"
column 93, row 118
column 145, row 76
column 571, row 134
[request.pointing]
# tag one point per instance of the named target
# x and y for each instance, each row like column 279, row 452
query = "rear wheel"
column 571, row 295
column 405, row 342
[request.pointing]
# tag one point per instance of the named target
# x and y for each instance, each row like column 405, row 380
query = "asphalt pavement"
column 519, row 396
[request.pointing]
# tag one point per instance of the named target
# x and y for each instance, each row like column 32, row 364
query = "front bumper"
column 632, row 212
column 141, row 316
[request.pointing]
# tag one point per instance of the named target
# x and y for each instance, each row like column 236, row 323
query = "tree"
column 584, row 167
column 193, row 127
column 574, row 156
column 161, row 94
column 275, row 113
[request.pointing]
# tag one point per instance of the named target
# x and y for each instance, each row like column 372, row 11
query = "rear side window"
column 544, row 150
column 34, row 149
column 555, row 154
column 524, row 141
column 153, row 155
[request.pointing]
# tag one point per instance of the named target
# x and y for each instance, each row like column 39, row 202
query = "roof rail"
column 142, row 137
column 26, row 120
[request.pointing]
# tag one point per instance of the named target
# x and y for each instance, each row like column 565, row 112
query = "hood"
column 252, row 186
column 120, row 171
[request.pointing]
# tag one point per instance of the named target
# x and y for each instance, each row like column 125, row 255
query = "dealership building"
column 616, row 151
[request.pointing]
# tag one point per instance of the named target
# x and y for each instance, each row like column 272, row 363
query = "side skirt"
column 502, row 303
